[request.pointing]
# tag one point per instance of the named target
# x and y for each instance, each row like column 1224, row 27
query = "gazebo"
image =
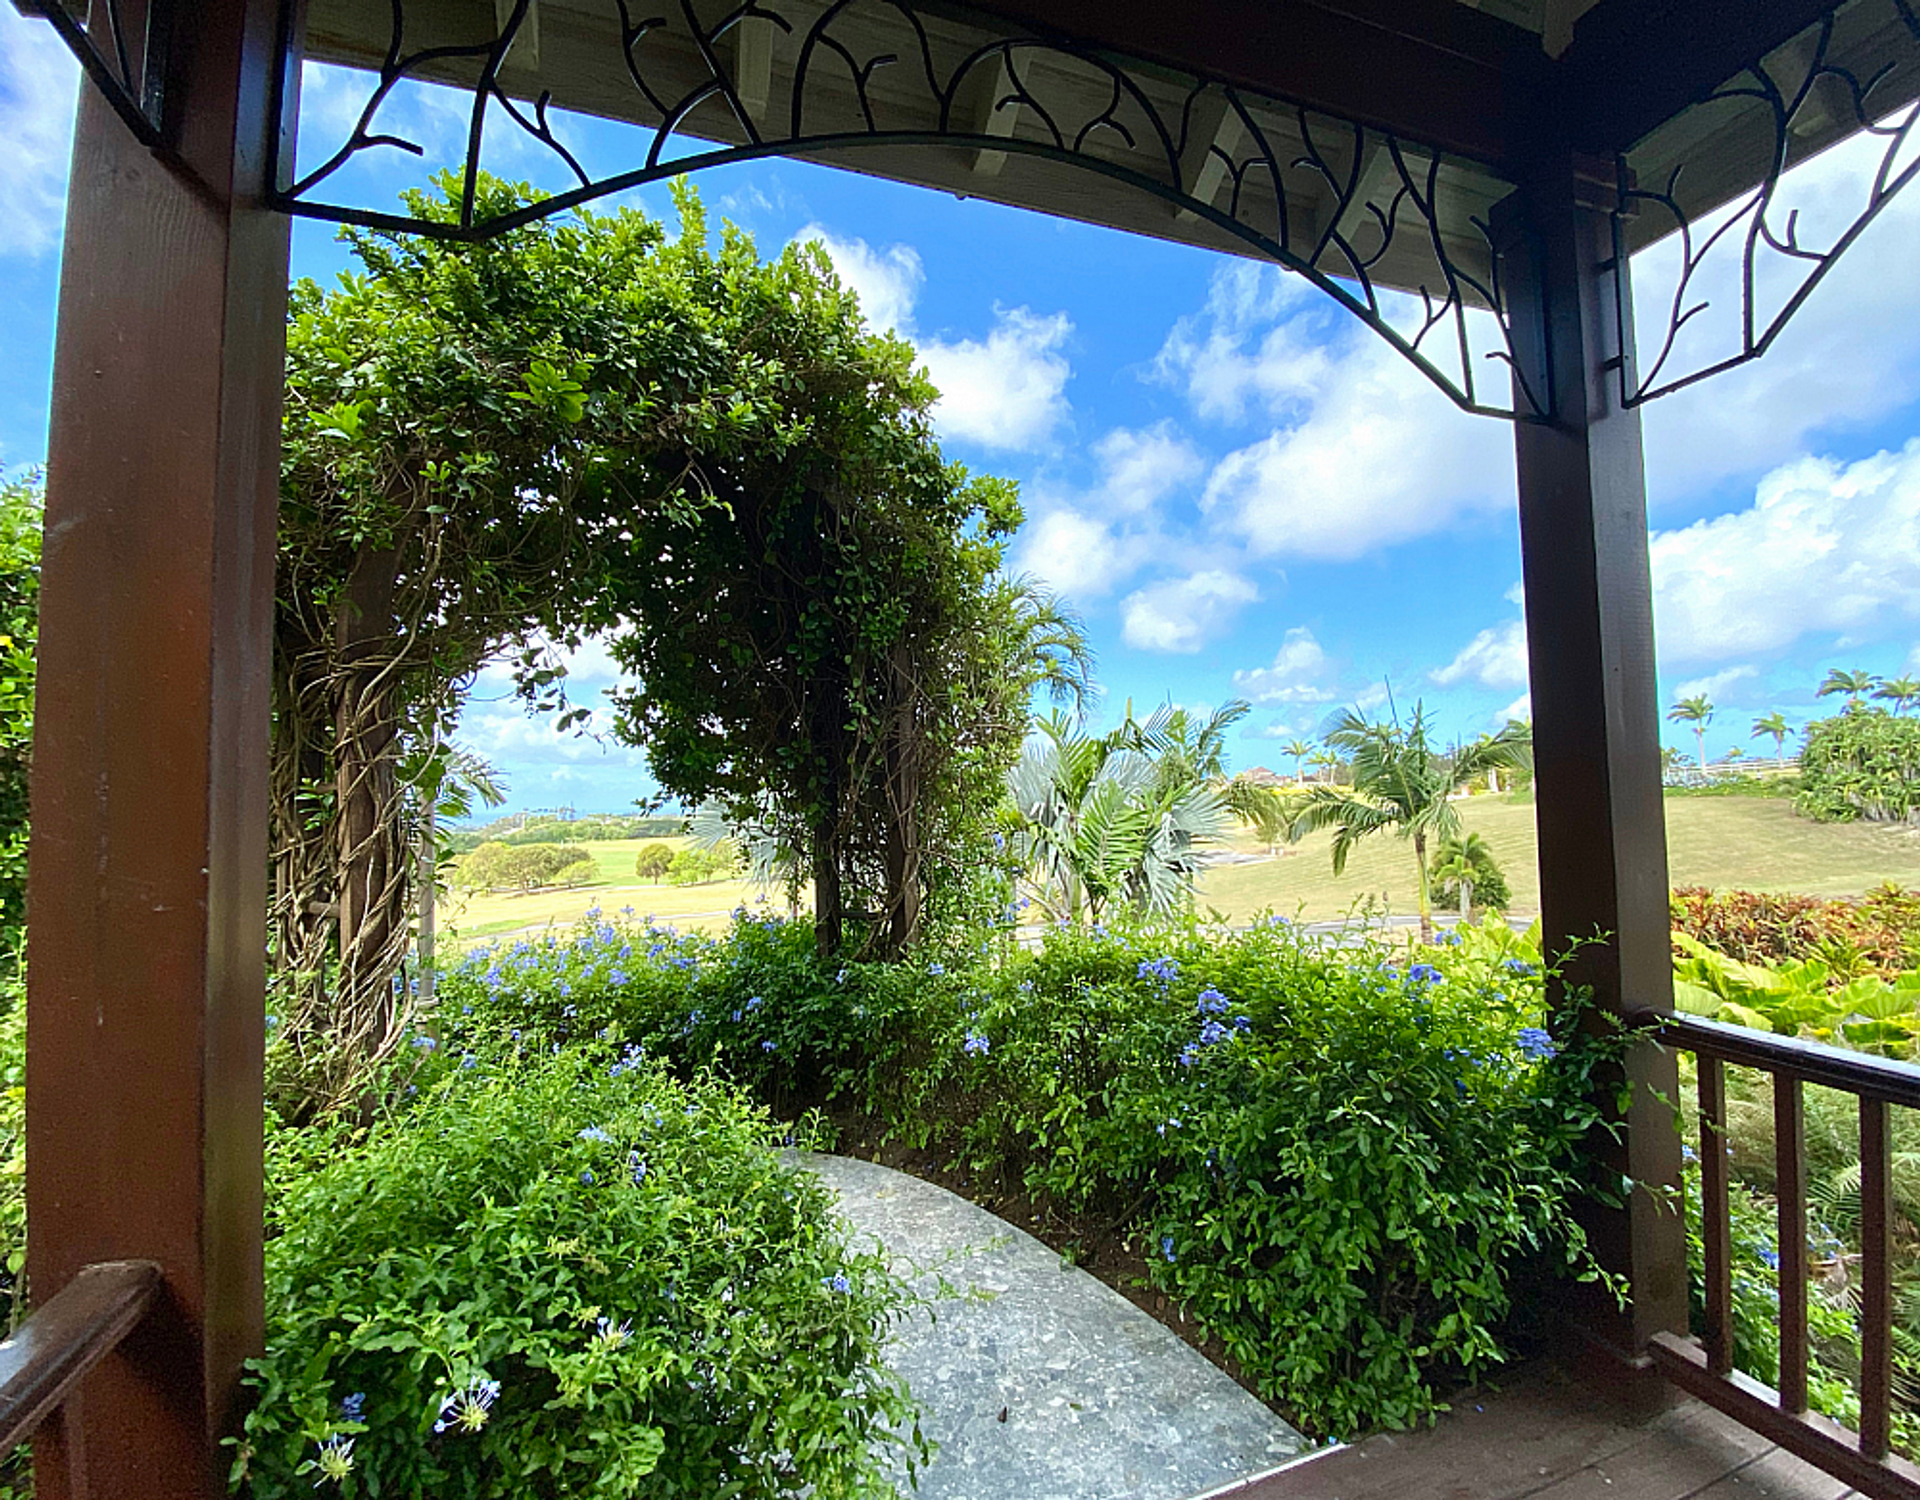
column 1468, row 177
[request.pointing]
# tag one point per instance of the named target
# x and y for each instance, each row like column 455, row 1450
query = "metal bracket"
column 138, row 95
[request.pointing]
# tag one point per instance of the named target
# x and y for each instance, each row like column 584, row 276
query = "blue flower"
column 617, row 976
column 468, row 1060
column 1212, row 1032
column 353, row 1407
column 466, row 1410
column 1166, row 1247
column 1770, row 1257
column 1212, row 1002
column 612, row 1334
column 1535, row 1043
column 1166, row 970
column 1189, row 1055
column 1518, row 966
column 976, row 1044
column 637, row 1167
column 587, row 1178
column 754, row 1003
column 1424, row 974
column 334, row 1459
column 837, row 1282
column 594, row 1133
column 766, row 1046
column 931, row 969
column 424, row 1043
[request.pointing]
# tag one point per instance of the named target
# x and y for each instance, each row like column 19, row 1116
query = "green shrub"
column 555, row 1275
column 1861, row 764
column 1341, row 1160
column 497, row 866
column 696, row 866
column 20, row 521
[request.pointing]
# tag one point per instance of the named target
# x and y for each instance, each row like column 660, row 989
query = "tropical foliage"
column 1863, row 764
column 1402, row 783
column 20, row 507
column 1697, row 712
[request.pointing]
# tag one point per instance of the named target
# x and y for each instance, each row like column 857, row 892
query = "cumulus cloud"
column 1087, row 544
column 1521, row 708
column 1007, row 390
column 887, row 281
column 1182, row 614
column 1298, row 674
column 1824, row 546
column 1715, row 685
column 38, row 81
column 1361, row 451
column 1496, row 657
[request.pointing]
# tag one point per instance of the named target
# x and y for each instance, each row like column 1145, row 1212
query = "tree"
column 1857, row 686
column 1697, row 711
column 1465, row 870
column 1401, row 783
column 652, row 861
column 843, row 660
column 1899, row 691
column 20, row 523
column 1299, row 750
column 1776, row 728
column 1100, row 826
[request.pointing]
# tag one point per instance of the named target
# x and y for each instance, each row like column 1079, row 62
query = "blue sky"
column 1245, row 492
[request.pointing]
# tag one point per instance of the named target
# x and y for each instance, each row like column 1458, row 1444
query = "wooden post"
column 147, row 868
column 1596, row 725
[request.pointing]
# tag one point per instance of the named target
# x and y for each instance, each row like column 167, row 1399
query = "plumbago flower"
column 466, row 1410
column 334, row 1459
column 976, row 1044
column 612, row 1334
column 1536, row 1045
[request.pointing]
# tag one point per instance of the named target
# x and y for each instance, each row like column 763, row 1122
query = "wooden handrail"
column 66, row 1337
column 1861, row 1459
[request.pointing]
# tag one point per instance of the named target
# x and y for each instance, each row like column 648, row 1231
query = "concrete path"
column 1050, row 1385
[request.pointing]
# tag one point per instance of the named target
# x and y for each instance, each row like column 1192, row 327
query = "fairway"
column 1757, row 843
column 493, row 914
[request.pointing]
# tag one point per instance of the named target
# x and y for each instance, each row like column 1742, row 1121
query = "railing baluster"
column 1790, row 1188
column 1876, row 1290
column 1715, row 1222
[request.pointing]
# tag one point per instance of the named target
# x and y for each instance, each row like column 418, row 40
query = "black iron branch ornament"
column 131, row 70
column 1750, row 224
column 1368, row 191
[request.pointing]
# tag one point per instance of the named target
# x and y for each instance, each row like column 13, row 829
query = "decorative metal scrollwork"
column 1357, row 211
column 137, row 93
column 1792, row 103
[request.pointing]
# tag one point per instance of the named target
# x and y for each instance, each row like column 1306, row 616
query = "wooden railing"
column 66, row 1337
column 1706, row 1369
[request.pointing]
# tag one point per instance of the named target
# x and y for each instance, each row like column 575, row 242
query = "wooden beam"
column 1596, row 725
column 1429, row 70
column 1635, row 63
column 147, row 867
column 984, row 104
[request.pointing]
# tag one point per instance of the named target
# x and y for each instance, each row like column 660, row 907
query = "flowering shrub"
column 1344, row 1156
column 1879, row 933
column 551, row 1275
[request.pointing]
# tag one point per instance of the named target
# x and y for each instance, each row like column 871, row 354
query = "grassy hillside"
column 1752, row 842
column 496, row 914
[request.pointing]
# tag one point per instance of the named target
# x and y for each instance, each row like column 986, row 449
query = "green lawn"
column 1757, row 843
column 499, row 914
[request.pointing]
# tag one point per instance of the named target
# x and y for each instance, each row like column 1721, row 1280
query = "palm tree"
column 1102, row 825
column 1461, row 860
column 1776, row 727
column 1327, row 761
column 1299, row 750
column 1899, row 691
column 1049, row 644
column 1697, row 711
column 1401, row 782
column 1856, row 685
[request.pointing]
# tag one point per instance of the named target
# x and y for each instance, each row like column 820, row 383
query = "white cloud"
column 1496, row 657
column 1298, row 674
column 1363, row 451
column 1521, row 708
column 1088, row 544
column 1848, row 357
column 1008, row 390
column 887, row 281
column 1005, row 391
column 1824, row 547
column 1182, row 614
column 38, row 82
column 1715, row 685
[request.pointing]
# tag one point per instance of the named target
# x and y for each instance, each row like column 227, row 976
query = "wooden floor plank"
column 1548, row 1435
